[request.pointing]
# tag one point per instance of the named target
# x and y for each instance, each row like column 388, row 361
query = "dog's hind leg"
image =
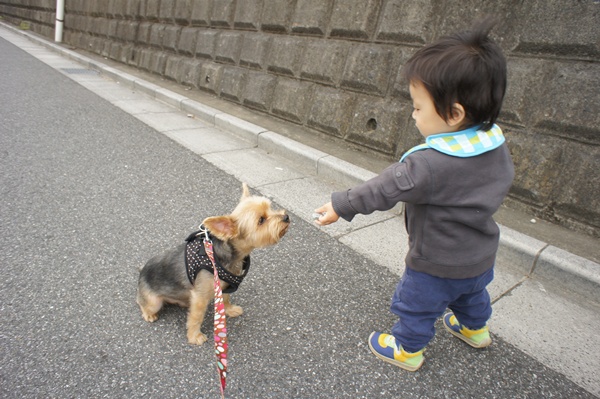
column 150, row 304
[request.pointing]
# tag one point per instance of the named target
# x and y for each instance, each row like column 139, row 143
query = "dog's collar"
column 196, row 259
column 204, row 232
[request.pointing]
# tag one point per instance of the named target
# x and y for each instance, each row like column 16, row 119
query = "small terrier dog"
column 177, row 277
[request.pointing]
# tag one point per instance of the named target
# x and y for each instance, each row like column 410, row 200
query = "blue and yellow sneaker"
column 476, row 338
column 385, row 347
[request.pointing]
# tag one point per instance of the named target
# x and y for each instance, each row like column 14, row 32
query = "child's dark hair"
column 466, row 68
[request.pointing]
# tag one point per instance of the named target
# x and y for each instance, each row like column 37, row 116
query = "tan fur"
column 252, row 224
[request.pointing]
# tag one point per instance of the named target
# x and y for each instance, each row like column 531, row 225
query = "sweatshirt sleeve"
column 408, row 181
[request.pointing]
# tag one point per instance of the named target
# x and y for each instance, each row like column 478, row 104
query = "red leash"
column 220, row 325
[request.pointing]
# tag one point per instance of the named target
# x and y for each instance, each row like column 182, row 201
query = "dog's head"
column 252, row 224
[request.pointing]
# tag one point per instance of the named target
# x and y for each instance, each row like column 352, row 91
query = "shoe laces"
column 390, row 341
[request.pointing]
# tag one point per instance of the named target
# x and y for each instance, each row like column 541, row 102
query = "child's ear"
column 457, row 116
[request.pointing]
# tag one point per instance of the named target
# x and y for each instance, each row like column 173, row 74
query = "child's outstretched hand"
column 328, row 215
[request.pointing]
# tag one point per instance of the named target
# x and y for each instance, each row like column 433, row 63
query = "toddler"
column 451, row 185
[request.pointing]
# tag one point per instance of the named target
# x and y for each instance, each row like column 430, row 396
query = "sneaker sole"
column 395, row 363
column 482, row 344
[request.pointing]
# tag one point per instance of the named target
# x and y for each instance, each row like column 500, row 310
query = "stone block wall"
column 333, row 66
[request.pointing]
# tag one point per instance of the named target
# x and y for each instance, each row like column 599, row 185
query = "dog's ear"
column 245, row 191
column 222, row 227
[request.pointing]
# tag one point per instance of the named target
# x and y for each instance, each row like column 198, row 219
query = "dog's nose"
column 286, row 218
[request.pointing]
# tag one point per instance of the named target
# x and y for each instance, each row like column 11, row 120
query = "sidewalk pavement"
column 546, row 300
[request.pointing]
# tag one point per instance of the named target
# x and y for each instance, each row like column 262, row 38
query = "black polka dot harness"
column 196, row 259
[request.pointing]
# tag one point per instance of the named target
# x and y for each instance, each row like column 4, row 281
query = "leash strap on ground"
column 220, row 325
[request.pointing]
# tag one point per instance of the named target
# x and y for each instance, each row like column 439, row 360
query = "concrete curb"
column 530, row 256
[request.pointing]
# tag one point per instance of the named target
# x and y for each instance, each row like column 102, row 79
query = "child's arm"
column 398, row 182
column 328, row 215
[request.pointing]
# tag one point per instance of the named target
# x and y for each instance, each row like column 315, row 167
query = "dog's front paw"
column 196, row 338
column 233, row 310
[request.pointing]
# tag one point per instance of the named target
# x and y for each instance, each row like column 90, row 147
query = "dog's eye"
column 261, row 220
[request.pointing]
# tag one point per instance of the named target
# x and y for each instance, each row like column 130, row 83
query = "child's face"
column 426, row 117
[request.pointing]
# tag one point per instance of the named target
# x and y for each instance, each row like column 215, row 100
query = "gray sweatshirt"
column 450, row 202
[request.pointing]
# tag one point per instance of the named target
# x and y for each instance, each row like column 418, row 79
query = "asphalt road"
column 89, row 193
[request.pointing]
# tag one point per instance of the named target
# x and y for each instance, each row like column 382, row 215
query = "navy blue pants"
column 421, row 298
